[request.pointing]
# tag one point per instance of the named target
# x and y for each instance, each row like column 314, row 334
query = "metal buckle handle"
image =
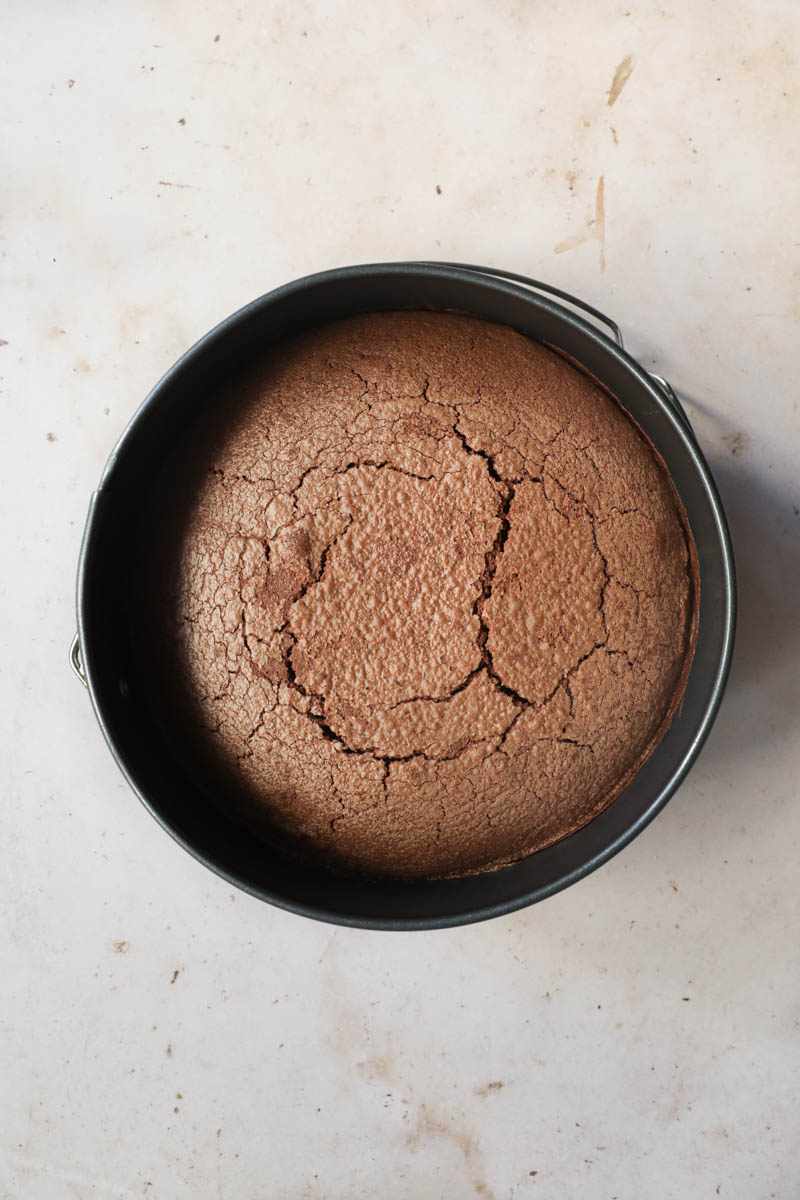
column 674, row 403
column 538, row 286
column 75, row 660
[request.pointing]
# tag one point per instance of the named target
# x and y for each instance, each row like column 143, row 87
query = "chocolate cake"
column 428, row 597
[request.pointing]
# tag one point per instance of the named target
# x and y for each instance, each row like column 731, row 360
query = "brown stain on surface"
column 600, row 220
column 130, row 322
column 486, row 1089
column 378, row 1066
column 120, row 947
column 621, row 76
column 430, row 1124
column 595, row 227
column 175, row 974
column 51, row 437
column 737, row 443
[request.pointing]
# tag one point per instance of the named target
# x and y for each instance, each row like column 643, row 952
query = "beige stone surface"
column 165, row 1037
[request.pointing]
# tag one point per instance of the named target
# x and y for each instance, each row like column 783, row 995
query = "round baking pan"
column 115, row 534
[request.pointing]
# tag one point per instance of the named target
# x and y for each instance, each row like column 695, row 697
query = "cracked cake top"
column 430, row 596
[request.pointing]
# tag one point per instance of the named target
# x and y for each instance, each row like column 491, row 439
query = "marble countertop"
column 163, row 1036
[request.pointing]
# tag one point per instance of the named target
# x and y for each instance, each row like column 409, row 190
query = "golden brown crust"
column 431, row 595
